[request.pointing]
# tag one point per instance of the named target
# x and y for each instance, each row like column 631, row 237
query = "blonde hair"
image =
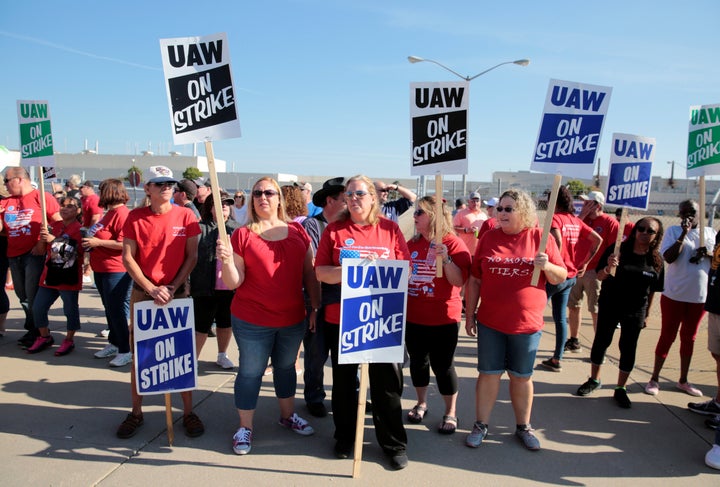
column 374, row 215
column 524, row 206
column 253, row 220
column 427, row 204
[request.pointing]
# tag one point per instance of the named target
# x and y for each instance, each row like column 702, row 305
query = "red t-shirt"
column 110, row 226
column 72, row 231
column 572, row 230
column 504, row 264
column 90, row 208
column 433, row 300
column 23, row 220
column 161, row 240
column 607, row 227
column 345, row 239
column 272, row 293
column 487, row 225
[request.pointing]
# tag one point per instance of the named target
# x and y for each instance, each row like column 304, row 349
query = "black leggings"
column 630, row 327
column 433, row 346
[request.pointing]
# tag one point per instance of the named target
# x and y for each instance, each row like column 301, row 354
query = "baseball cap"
column 594, row 196
column 188, row 187
column 159, row 174
column 492, row 202
column 474, row 195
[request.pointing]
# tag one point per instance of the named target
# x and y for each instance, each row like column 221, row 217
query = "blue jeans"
column 114, row 289
column 26, row 270
column 498, row 352
column 46, row 297
column 257, row 344
column 558, row 294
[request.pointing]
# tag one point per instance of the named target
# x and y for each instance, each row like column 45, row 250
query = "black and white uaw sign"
column 373, row 311
column 631, row 159
column 200, row 88
column 439, row 120
column 164, row 341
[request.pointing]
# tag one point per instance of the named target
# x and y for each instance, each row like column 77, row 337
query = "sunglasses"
column 508, row 209
column 68, row 206
column 268, row 193
column 163, row 185
column 356, row 194
column 419, row 212
column 647, row 230
column 239, row 197
column 385, row 190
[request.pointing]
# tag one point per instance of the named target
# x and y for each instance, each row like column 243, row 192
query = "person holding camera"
column 683, row 300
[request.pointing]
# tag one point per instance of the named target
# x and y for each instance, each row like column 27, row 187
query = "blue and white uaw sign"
column 164, row 339
column 439, row 120
column 200, row 88
column 372, row 311
column 570, row 130
column 631, row 158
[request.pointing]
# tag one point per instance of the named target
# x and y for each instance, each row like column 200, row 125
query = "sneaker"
column 708, row 408
column 573, row 345
column 40, row 344
column 317, row 409
column 27, row 340
column 224, row 362
column 65, row 348
column 550, row 364
column 105, row 333
column 193, row 426
column 688, row 388
column 477, row 435
column 129, row 427
column 712, row 458
column 106, row 352
column 588, row 387
column 297, row 424
column 652, row 388
column 211, row 332
column 121, row 360
column 528, row 438
column 87, row 279
column 242, row 441
column 621, row 397
column 713, row 423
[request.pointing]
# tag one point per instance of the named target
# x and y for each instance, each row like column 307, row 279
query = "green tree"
column 576, row 187
column 192, row 173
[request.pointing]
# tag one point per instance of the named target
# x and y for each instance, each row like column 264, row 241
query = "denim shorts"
column 498, row 352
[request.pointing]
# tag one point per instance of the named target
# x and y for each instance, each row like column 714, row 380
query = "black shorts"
column 209, row 309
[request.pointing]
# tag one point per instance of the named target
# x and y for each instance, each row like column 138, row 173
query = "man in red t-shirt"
column 607, row 227
column 22, row 219
column 159, row 251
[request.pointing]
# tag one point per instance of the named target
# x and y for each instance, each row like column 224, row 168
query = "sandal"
column 448, row 426
column 417, row 414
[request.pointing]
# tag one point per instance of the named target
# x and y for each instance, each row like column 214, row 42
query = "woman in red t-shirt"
column 434, row 308
column 268, row 264
column 60, row 277
column 361, row 232
column 510, row 316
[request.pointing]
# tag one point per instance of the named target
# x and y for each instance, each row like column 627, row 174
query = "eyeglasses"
column 269, row 193
column 356, row 194
column 239, row 197
column 419, row 212
column 647, row 230
column 7, row 180
column 164, row 185
column 508, row 209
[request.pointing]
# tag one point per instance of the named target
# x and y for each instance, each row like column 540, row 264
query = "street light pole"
column 417, row 59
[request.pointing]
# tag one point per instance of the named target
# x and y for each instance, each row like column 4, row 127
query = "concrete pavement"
column 59, row 416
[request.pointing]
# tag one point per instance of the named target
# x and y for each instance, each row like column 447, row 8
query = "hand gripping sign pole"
column 548, row 224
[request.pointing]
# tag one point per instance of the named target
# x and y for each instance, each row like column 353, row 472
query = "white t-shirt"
column 685, row 281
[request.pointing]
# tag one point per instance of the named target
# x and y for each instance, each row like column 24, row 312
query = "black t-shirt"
column 635, row 279
column 712, row 302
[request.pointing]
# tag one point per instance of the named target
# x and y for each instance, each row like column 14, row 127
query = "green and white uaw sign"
column 704, row 141
column 36, row 141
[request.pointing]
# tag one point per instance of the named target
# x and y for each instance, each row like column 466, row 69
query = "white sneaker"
column 105, row 333
column 652, row 388
column 106, row 352
column 224, row 362
column 121, row 360
column 712, row 458
column 87, row 279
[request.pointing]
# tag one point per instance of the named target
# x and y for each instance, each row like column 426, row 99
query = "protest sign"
column 164, row 341
column 36, row 142
column 570, row 130
column 631, row 158
column 439, row 121
column 200, row 88
column 704, row 141
column 372, row 311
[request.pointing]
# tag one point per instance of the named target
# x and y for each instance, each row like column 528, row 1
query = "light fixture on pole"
column 519, row 62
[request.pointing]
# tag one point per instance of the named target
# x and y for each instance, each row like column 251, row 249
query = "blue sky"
column 323, row 86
